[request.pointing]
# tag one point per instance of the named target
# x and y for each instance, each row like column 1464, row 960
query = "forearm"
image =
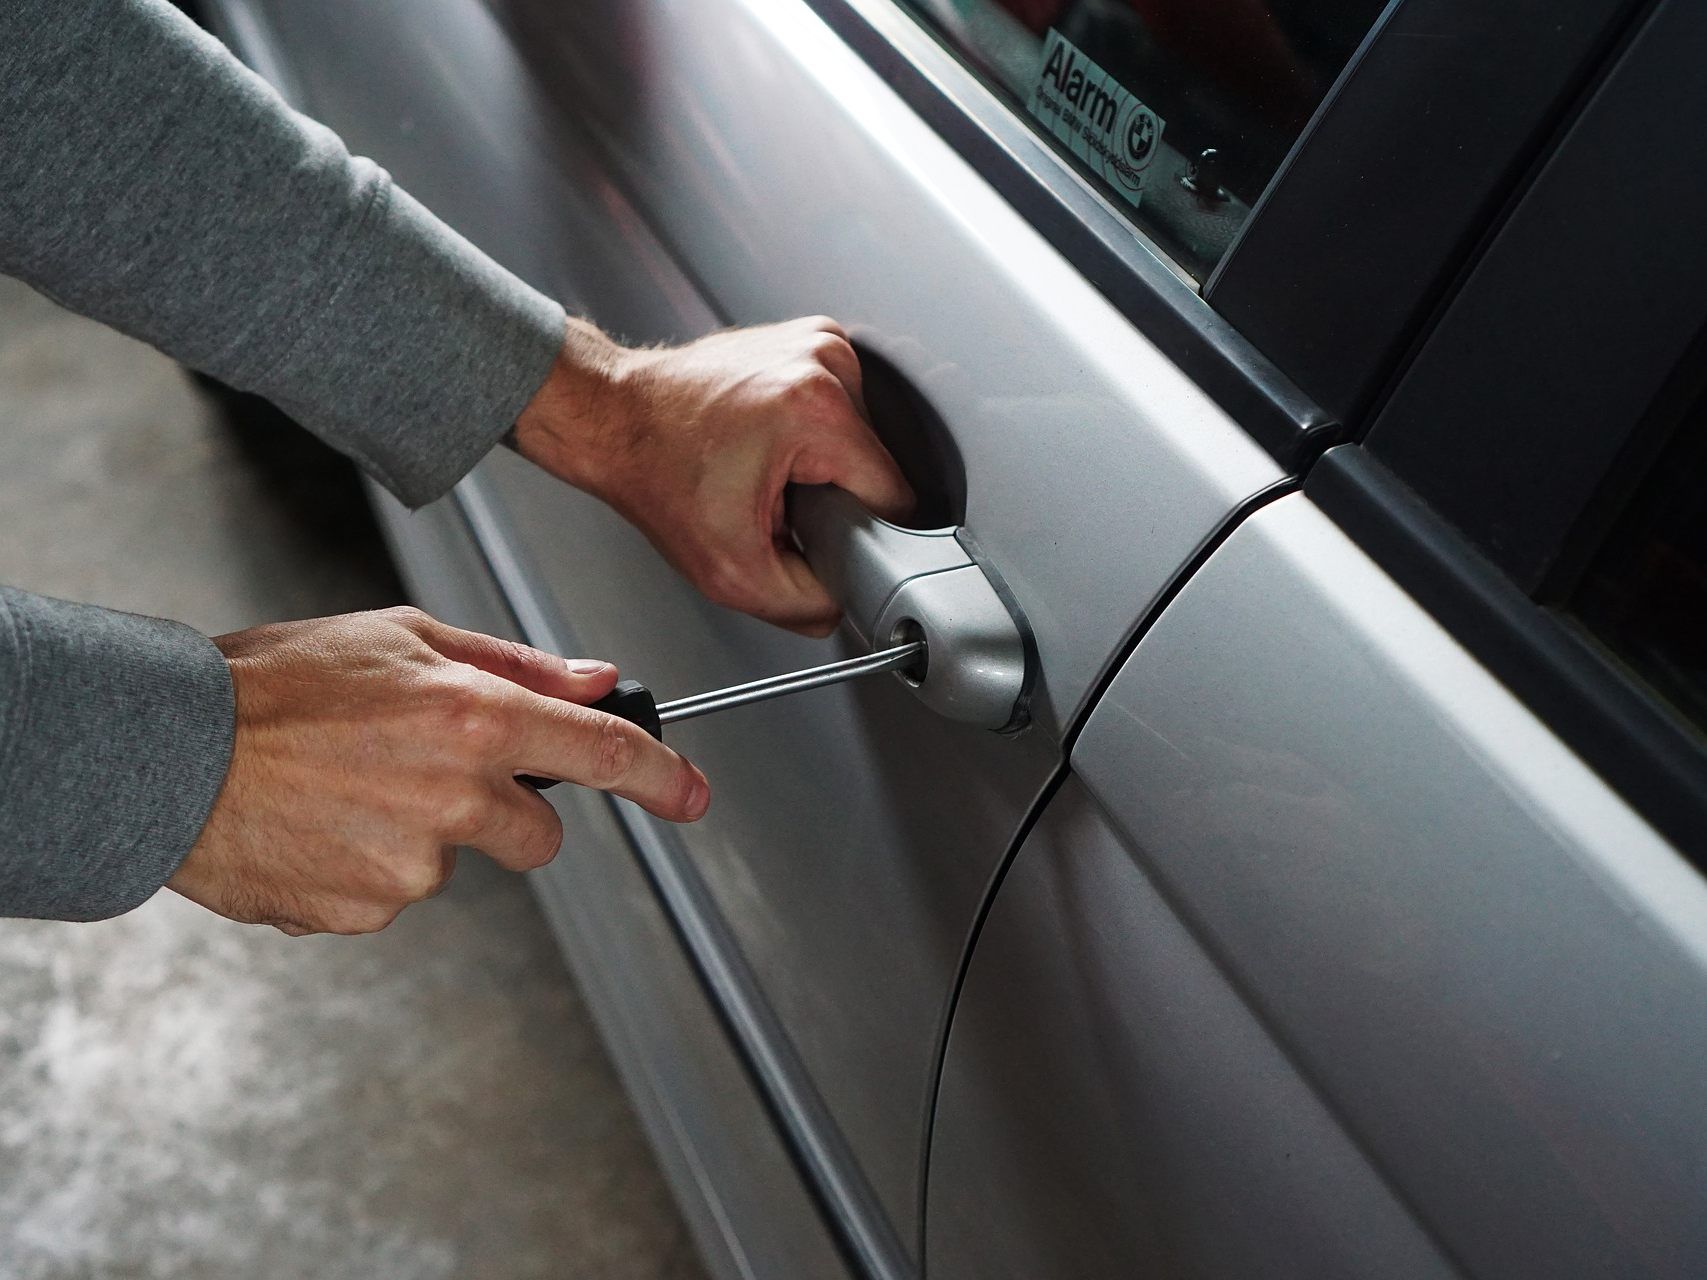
column 585, row 407
column 115, row 733
column 150, row 181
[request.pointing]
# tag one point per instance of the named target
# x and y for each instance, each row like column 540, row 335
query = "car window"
column 1644, row 595
column 1181, row 111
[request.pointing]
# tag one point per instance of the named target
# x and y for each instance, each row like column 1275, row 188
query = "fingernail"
column 588, row 668
column 699, row 800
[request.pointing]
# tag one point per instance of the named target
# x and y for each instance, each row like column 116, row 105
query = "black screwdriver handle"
column 631, row 701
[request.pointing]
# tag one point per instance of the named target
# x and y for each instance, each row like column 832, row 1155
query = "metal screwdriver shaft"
column 740, row 695
column 632, row 701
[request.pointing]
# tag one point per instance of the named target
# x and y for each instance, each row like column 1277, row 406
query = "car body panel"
column 787, row 178
column 853, row 835
column 732, row 1175
column 1328, row 958
column 1490, row 969
column 1111, row 1107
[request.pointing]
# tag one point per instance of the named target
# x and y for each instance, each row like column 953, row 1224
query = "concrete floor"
column 185, row 1097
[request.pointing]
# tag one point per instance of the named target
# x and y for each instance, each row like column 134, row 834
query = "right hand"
column 369, row 746
column 695, row 446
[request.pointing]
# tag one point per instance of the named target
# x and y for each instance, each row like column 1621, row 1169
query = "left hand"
column 368, row 747
column 695, row 445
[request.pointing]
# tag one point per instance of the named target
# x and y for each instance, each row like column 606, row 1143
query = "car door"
column 1098, row 428
column 1367, row 936
column 855, row 831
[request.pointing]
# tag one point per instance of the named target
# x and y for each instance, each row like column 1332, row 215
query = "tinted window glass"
column 1645, row 593
column 1179, row 110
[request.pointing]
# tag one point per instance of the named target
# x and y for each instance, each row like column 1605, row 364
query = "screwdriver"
column 633, row 701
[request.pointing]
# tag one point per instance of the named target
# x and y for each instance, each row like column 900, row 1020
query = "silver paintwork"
column 735, row 1181
column 1112, row 1108
column 436, row 91
column 750, row 1215
column 713, row 112
column 850, row 836
column 1423, row 957
column 789, row 179
column 700, row 938
column 1492, row 971
column 894, row 583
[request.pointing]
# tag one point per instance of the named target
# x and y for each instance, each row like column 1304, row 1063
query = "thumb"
column 580, row 680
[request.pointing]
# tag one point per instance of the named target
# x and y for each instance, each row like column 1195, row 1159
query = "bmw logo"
column 1140, row 136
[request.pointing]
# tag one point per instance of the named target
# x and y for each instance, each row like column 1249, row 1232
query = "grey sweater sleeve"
column 150, row 181
column 115, row 732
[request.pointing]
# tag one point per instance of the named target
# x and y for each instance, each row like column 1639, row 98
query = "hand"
column 370, row 745
column 694, row 445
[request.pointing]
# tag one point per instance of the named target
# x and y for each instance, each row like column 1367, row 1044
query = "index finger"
column 577, row 679
column 592, row 748
column 853, row 458
column 786, row 593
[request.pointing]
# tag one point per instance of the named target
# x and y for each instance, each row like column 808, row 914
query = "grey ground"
column 184, row 1097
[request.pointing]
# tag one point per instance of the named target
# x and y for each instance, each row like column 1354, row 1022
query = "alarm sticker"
column 1096, row 117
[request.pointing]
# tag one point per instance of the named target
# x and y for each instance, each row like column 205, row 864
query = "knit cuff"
column 115, row 737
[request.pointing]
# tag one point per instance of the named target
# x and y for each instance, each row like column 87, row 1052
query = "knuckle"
column 455, row 694
column 518, row 657
column 407, row 615
column 815, row 390
column 346, row 916
column 472, row 724
column 723, row 582
column 480, row 732
column 614, row 752
column 462, row 814
column 831, row 345
column 416, row 879
column 359, row 919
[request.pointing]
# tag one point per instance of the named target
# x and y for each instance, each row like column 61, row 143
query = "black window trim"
column 1217, row 337
column 1428, row 489
column 1367, row 227
column 1613, row 722
column 1099, row 242
column 1522, row 421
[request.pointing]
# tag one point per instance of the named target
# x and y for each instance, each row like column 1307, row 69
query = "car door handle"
column 896, row 585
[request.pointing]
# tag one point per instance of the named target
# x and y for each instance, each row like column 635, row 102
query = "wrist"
column 580, row 417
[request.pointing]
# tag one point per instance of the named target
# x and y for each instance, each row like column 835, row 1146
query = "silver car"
column 1287, row 863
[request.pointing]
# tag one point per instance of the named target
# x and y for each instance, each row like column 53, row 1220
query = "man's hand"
column 695, row 445
column 370, row 745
